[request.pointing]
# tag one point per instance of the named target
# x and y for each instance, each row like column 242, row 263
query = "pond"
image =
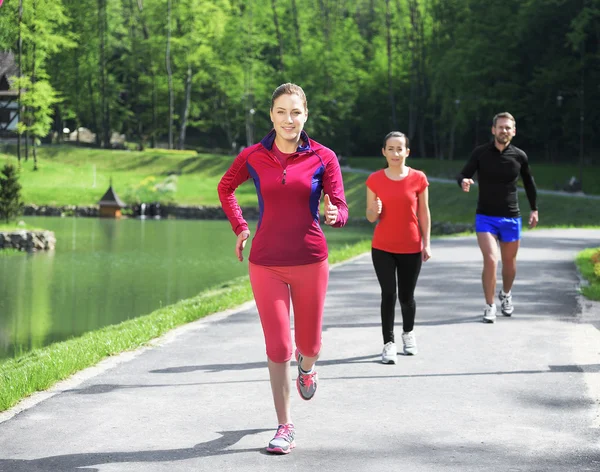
column 105, row 271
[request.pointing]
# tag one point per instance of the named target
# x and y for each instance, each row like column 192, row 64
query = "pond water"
column 105, row 271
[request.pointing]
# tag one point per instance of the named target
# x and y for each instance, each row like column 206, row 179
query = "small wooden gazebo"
column 110, row 204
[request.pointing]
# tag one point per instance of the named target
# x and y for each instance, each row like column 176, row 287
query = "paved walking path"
column 520, row 395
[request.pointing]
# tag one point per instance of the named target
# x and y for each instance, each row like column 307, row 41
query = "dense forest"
column 200, row 73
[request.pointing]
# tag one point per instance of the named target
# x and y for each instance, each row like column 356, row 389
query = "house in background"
column 9, row 107
column 110, row 204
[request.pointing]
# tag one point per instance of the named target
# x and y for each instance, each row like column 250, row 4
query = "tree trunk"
column 296, row 27
column 414, row 70
column 94, row 112
column 33, row 81
column 19, row 75
column 102, row 28
column 388, row 28
column 140, row 5
column 452, row 135
column 77, row 111
column 169, row 74
column 248, row 85
column 186, row 107
column 436, row 147
column 279, row 38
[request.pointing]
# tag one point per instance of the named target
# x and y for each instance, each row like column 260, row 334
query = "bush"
column 11, row 204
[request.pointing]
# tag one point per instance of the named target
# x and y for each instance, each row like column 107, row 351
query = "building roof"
column 8, row 66
column 110, row 198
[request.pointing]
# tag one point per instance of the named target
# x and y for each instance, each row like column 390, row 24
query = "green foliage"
column 38, row 100
column 11, row 204
column 451, row 66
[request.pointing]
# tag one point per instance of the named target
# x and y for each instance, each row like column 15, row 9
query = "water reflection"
column 105, row 271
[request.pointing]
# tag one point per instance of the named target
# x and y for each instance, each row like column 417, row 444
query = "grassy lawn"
column 588, row 262
column 66, row 177
column 547, row 176
column 5, row 228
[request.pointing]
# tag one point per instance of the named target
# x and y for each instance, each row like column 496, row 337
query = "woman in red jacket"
column 288, row 258
column 398, row 200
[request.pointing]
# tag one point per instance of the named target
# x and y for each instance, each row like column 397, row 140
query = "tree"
column 10, row 194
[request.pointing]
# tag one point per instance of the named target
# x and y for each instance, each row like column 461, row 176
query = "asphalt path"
column 522, row 394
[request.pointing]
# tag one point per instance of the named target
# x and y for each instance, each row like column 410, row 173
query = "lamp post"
column 559, row 102
column 453, row 129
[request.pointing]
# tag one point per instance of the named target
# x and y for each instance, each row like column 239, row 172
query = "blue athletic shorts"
column 506, row 230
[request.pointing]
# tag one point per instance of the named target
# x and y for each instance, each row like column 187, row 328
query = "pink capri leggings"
column 273, row 287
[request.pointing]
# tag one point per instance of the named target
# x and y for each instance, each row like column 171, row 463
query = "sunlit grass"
column 547, row 176
column 5, row 228
column 588, row 262
column 80, row 176
column 11, row 253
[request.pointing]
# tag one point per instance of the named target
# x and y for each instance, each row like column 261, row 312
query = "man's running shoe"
column 306, row 383
column 388, row 356
column 283, row 441
column 489, row 314
column 410, row 343
column 506, row 305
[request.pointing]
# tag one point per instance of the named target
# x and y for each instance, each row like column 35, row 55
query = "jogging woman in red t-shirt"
column 398, row 200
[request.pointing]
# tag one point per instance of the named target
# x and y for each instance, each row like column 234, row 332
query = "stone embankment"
column 150, row 211
column 68, row 210
column 30, row 241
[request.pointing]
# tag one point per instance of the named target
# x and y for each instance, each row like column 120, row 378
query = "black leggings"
column 407, row 267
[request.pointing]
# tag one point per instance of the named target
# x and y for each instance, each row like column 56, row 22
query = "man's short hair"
column 504, row 114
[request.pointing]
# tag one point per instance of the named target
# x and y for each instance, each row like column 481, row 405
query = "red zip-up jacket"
column 288, row 231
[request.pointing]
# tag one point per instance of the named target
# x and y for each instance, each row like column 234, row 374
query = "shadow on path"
column 99, row 389
column 78, row 462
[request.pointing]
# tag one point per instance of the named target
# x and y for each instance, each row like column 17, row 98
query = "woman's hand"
column 331, row 211
column 241, row 244
column 426, row 253
column 376, row 206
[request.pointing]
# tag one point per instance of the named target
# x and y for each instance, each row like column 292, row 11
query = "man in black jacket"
column 498, row 219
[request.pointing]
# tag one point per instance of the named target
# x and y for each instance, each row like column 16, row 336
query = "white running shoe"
column 388, row 356
column 410, row 343
column 506, row 305
column 489, row 314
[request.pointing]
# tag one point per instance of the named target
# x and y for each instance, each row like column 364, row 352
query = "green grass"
column 588, row 262
column 547, row 176
column 66, row 177
column 17, row 227
column 11, row 253
column 449, row 204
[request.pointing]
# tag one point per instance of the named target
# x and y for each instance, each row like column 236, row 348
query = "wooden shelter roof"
column 110, row 198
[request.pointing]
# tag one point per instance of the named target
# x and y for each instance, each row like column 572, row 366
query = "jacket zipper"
column 283, row 180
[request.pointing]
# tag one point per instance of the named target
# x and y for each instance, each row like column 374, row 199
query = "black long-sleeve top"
column 498, row 173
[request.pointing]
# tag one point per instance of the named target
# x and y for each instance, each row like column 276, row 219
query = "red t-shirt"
column 397, row 230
